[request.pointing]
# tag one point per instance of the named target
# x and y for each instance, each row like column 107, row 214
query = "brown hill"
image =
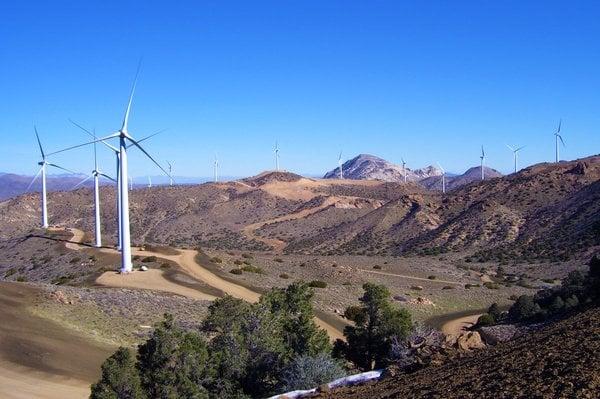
column 548, row 211
column 559, row 361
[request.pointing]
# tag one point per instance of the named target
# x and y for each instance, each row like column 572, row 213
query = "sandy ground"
column 404, row 276
column 38, row 358
column 457, row 326
column 185, row 258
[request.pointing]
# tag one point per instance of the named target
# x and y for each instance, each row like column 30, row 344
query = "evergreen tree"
column 120, row 378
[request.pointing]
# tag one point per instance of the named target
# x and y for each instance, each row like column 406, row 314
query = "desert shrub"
column 524, row 308
column 432, row 277
column 237, row 262
column 149, row 259
column 10, row 272
column 120, row 378
column 21, row 279
column 165, row 265
column 447, row 287
column 468, row 286
column 236, row 271
column 306, row 372
column 284, row 276
column 490, row 285
column 247, row 256
column 416, row 288
column 216, row 259
column 347, row 283
column 252, row 269
column 247, row 262
column 75, row 260
column 485, row 319
column 317, row 284
column 278, row 260
column 377, row 267
column 377, row 325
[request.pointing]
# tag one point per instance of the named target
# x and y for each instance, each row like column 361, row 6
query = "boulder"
column 491, row 335
column 470, row 340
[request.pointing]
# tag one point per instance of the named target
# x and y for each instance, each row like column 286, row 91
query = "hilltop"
column 546, row 211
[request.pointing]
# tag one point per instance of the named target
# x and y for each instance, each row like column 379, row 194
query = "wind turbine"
column 482, row 157
column 404, row 169
column 443, row 179
column 341, row 166
column 124, row 137
column 216, row 168
column 170, row 173
column 515, row 154
column 149, row 182
column 96, row 174
column 557, row 137
column 43, row 164
column 117, row 153
column 276, row 156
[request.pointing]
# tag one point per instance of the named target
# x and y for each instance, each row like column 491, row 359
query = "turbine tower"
column 216, row 168
column 149, row 182
column 340, row 164
column 96, row 175
column 558, row 137
column 276, row 156
column 515, row 155
column 404, row 169
column 117, row 153
column 43, row 164
column 124, row 137
column 482, row 157
column 443, row 179
column 170, row 173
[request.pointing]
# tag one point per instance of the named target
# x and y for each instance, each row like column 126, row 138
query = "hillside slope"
column 558, row 361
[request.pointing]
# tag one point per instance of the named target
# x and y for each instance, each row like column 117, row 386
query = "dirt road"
column 186, row 259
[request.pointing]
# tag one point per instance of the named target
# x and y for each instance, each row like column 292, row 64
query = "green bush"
column 216, row 259
column 252, row 269
column 377, row 267
column 490, row 285
column 237, row 262
column 317, row 284
column 486, row 320
column 236, row 271
column 432, row 277
column 120, row 378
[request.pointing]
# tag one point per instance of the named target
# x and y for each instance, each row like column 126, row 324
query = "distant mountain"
column 455, row 181
column 370, row 167
column 12, row 185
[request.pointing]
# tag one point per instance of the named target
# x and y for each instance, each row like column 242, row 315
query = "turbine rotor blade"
column 93, row 135
column 128, row 110
column 60, row 167
column 510, row 148
column 149, row 156
column 107, row 176
column 561, row 140
column 520, row 148
column 150, row 136
column 34, row 178
column 81, row 182
column 37, row 136
column 84, row 144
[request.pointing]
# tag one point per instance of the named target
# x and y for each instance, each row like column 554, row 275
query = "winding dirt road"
column 186, row 259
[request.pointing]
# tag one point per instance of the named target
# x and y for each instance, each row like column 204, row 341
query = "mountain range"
column 546, row 211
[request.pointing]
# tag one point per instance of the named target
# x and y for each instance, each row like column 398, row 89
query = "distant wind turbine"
column 43, row 164
column 216, row 168
column 124, row 138
column 276, row 156
column 149, row 182
column 443, row 179
column 558, row 137
column 516, row 155
column 340, row 164
column 96, row 174
column 170, row 173
column 404, row 169
column 482, row 157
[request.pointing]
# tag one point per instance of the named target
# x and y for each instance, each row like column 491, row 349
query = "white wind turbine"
column 43, row 164
column 96, row 175
column 117, row 153
column 170, row 173
column 276, row 156
column 124, row 138
column 216, row 168
column 340, row 164
column 515, row 152
column 149, row 182
column 482, row 157
column 404, row 169
column 443, row 178
column 558, row 137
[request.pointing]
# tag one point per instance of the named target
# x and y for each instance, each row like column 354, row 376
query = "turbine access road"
column 186, row 259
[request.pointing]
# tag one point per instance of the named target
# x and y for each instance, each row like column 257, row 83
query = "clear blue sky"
column 427, row 81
